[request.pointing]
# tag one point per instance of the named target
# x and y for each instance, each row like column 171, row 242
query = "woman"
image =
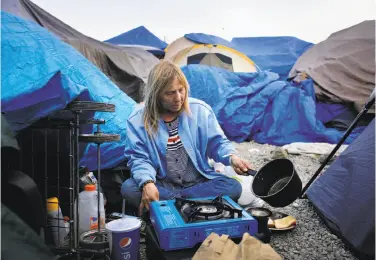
column 170, row 139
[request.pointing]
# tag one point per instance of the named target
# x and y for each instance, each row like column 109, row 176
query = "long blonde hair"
column 160, row 78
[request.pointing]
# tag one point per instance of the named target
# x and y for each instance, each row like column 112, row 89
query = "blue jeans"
column 209, row 188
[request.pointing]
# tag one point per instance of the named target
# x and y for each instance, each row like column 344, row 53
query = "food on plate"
column 284, row 222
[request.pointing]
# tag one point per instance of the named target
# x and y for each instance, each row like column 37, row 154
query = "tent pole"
column 369, row 104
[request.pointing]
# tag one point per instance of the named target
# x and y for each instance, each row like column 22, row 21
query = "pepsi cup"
column 124, row 238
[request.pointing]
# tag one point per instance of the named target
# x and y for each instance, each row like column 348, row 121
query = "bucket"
column 277, row 183
column 124, row 238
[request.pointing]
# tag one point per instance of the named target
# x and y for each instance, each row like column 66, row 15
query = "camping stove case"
column 173, row 232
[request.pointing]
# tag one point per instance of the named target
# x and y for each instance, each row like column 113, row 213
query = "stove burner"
column 201, row 210
column 207, row 209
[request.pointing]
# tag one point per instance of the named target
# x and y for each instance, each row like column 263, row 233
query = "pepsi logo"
column 125, row 243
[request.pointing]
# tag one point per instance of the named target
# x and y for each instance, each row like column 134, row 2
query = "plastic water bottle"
column 88, row 209
column 56, row 221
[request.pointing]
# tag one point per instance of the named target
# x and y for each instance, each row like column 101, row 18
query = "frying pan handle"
column 251, row 172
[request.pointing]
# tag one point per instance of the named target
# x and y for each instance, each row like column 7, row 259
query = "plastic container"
column 88, row 209
column 56, row 221
column 124, row 238
column 247, row 198
column 87, row 177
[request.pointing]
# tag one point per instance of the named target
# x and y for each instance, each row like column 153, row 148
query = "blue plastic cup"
column 124, row 238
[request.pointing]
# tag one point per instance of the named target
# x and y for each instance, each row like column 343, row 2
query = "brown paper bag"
column 217, row 247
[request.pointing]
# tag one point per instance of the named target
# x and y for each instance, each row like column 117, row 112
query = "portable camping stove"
column 182, row 223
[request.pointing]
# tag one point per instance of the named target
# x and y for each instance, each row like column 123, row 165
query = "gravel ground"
column 311, row 239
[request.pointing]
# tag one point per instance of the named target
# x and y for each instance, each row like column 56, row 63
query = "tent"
column 277, row 54
column 342, row 66
column 208, row 50
column 216, row 56
column 344, row 195
column 140, row 37
column 191, row 39
column 128, row 67
column 155, row 51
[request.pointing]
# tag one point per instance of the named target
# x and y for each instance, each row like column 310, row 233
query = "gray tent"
column 342, row 66
column 127, row 67
column 344, row 195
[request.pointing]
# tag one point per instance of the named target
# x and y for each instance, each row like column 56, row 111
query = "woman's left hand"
column 240, row 166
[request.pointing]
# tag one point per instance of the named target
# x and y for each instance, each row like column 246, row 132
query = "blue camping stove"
column 182, row 223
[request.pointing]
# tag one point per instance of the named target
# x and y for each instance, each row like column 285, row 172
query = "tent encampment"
column 342, row 66
column 127, row 67
column 208, row 50
column 276, row 54
column 140, row 37
column 344, row 195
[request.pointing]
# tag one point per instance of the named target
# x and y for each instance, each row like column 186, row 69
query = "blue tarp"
column 277, row 54
column 40, row 75
column 208, row 39
column 139, row 36
column 326, row 112
column 251, row 105
column 345, row 194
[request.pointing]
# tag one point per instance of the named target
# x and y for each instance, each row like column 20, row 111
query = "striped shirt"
column 180, row 169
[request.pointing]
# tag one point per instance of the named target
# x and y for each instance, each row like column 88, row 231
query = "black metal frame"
column 72, row 124
column 47, row 125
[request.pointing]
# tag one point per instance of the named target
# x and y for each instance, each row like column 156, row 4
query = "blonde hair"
column 160, row 79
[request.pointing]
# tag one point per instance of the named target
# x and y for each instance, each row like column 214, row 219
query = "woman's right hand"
column 149, row 193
